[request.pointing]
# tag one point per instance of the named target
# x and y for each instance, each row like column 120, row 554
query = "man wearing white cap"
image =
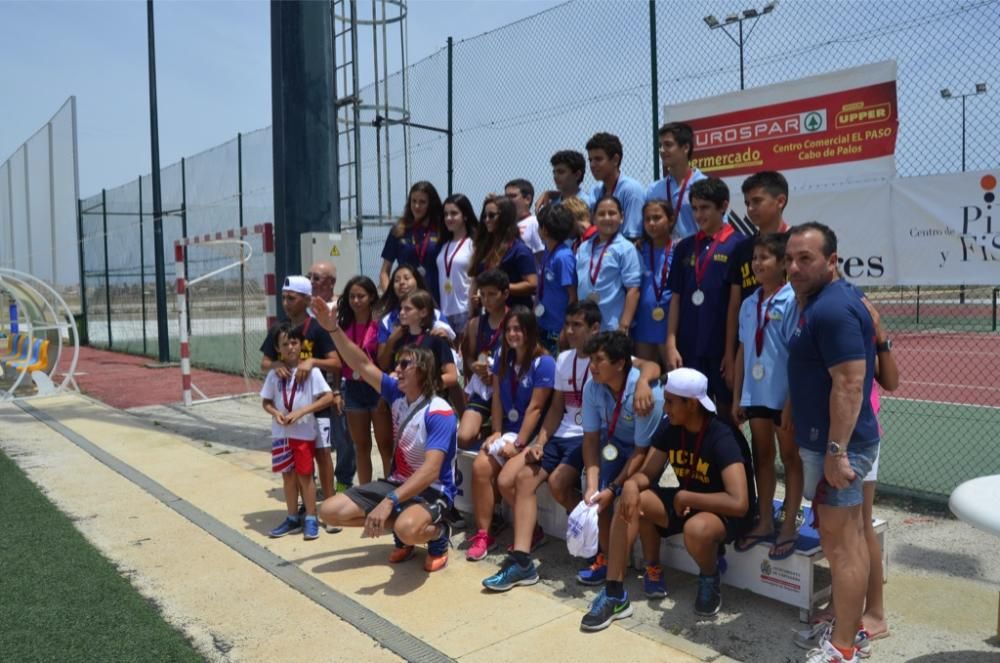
column 713, row 505
column 318, row 351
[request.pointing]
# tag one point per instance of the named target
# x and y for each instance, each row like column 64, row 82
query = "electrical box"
column 341, row 249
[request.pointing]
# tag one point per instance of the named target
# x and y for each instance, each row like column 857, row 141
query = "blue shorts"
column 478, row 404
column 563, row 451
column 359, row 395
column 610, row 469
column 820, row 492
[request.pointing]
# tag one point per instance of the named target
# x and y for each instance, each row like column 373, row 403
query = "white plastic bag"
column 581, row 531
column 498, row 445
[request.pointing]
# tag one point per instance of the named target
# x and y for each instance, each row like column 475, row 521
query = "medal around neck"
column 698, row 297
column 609, row 452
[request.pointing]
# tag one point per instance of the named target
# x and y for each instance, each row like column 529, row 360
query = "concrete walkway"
column 203, row 577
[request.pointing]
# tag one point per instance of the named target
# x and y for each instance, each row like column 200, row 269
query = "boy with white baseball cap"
column 714, row 503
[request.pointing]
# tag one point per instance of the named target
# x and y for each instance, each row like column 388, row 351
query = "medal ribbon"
column 546, row 261
column 448, row 263
column 663, row 272
column 701, row 264
column 759, row 334
column 695, row 452
column 586, row 374
column 481, row 334
column 680, row 193
column 600, row 260
column 420, row 245
column 613, row 420
column 514, row 378
column 284, row 394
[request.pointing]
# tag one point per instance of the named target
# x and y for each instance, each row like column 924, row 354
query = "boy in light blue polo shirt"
column 557, row 275
column 604, row 151
column 615, row 438
column 676, row 147
column 608, row 269
column 568, row 169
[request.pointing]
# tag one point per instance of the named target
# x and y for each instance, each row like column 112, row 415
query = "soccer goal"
column 225, row 305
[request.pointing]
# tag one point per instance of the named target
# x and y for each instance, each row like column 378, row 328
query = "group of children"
column 588, row 347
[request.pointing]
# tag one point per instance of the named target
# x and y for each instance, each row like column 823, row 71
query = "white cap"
column 689, row 383
column 299, row 284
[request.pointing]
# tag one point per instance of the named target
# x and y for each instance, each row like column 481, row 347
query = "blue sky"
column 213, row 72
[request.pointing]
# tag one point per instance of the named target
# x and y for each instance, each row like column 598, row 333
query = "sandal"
column 748, row 542
column 782, row 549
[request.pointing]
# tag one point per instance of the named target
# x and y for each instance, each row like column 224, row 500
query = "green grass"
column 60, row 600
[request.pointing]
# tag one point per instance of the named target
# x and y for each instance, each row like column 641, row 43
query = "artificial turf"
column 60, row 600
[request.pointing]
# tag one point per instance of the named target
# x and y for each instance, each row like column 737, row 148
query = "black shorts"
column 369, row 495
column 735, row 527
column 761, row 412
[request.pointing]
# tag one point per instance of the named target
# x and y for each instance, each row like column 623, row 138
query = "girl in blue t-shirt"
column 656, row 254
column 499, row 246
column 416, row 237
column 607, row 269
column 523, row 377
column 767, row 319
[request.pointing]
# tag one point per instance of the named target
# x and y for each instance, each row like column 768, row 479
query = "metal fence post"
column 655, row 89
column 184, row 233
column 239, row 199
column 107, row 269
column 84, row 334
column 451, row 119
column 142, row 273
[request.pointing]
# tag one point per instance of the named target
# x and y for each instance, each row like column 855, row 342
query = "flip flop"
column 748, row 542
column 787, row 548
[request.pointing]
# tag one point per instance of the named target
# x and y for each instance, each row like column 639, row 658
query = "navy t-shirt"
column 699, row 468
column 317, row 342
column 833, row 327
column 741, row 269
column 407, row 249
column 437, row 345
column 701, row 330
column 517, row 264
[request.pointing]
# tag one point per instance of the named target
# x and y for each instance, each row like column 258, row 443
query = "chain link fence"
column 546, row 83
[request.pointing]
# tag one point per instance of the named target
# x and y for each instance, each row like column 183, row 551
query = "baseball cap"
column 689, row 383
column 299, row 284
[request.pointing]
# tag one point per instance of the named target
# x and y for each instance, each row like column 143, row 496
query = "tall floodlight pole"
column 738, row 18
column 163, row 344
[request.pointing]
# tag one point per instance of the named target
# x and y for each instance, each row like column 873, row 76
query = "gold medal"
column 448, row 287
column 658, row 314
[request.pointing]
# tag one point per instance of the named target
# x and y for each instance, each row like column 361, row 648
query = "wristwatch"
column 616, row 490
column 395, row 501
column 834, row 449
column 884, row 346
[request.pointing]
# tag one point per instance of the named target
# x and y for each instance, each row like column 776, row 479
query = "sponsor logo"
column 779, row 576
column 854, row 114
column 761, row 129
column 979, row 239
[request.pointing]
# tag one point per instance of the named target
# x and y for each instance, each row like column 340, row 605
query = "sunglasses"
column 405, row 364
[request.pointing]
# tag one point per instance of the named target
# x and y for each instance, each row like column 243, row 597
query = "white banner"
column 947, row 229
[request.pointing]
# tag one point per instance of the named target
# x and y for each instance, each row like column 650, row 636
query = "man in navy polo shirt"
column 831, row 364
column 696, row 325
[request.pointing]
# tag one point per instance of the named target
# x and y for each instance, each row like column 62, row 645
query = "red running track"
column 124, row 381
column 949, row 367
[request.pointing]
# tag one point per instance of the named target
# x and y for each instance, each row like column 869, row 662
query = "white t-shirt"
column 529, row 233
column 570, row 426
column 459, row 254
column 277, row 390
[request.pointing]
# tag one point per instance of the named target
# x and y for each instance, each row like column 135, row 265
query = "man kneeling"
column 412, row 501
column 713, row 505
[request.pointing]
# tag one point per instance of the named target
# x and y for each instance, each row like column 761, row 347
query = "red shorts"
column 287, row 455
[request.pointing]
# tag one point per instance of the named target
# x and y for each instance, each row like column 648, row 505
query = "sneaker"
column 605, row 610
column 863, row 644
column 400, row 554
column 652, row 582
column 291, row 525
column 480, row 545
column 537, row 539
column 709, row 598
column 814, row 636
column 827, row 653
column 510, row 575
column 311, row 529
column 437, row 550
column 596, row 573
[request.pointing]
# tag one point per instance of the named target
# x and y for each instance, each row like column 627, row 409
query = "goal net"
column 225, row 305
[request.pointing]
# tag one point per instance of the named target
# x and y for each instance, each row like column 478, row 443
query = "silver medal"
column 698, row 297
column 422, row 270
column 609, row 452
column 540, row 310
column 757, row 371
column 513, row 415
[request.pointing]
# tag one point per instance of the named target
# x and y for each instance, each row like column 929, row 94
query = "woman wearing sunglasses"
column 420, row 489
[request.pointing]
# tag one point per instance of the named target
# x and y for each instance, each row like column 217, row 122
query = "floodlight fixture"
column 980, row 88
column 732, row 18
column 711, row 21
column 946, row 93
column 769, row 7
column 749, row 13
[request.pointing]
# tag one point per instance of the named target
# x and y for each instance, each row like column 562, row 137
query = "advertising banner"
column 829, row 129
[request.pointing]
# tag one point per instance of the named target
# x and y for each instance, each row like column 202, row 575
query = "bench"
column 16, row 347
column 795, row 581
column 35, row 360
